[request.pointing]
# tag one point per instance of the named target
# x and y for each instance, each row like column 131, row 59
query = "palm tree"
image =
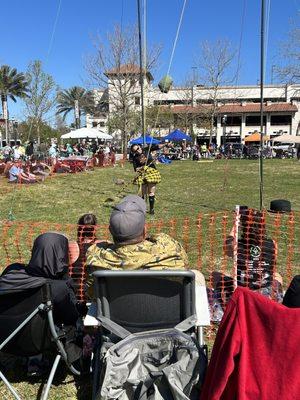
column 12, row 85
column 67, row 100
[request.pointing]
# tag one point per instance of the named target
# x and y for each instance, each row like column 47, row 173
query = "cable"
column 53, row 31
column 172, row 53
column 169, row 68
column 240, row 45
column 267, row 34
column 122, row 12
column 176, row 37
column 49, row 50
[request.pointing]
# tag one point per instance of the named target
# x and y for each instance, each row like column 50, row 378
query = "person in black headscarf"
column 49, row 263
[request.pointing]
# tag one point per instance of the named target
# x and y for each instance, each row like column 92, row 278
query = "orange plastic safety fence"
column 260, row 251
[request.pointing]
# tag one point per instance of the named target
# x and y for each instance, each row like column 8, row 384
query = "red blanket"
column 256, row 355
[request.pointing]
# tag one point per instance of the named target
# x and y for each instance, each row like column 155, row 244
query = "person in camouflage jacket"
column 131, row 248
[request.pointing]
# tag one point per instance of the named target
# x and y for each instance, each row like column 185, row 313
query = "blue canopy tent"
column 149, row 140
column 177, row 136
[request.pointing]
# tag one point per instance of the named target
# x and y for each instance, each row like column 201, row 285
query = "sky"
column 59, row 32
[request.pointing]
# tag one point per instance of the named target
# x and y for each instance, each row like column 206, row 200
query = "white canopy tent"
column 287, row 139
column 86, row 133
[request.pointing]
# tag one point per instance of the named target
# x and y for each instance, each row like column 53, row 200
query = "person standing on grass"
column 148, row 175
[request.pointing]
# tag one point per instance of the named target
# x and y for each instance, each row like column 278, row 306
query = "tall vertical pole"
column 141, row 71
column 262, row 68
column 76, row 109
column 193, row 84
column 5, row 116
column 145, row 53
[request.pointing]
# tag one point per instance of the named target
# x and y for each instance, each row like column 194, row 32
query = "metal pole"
column 6, row 132
column 5, row 116
column 193, row 84
column 262, row 67
column 76, row 108
column 141, row 71
column 224, row 120
column 145, row 53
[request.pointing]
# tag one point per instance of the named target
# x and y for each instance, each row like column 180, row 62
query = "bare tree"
column 41, row 95
column 159, row 118
column 187, row 116
column 214, row 71
column 289, row 72
column 115, row 66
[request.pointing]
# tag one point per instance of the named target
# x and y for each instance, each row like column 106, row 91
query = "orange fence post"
column 185, row 233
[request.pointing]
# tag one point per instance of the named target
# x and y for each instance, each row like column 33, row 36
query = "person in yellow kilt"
column 148, row 177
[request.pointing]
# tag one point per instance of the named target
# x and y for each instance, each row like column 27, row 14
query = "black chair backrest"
column 142, row 300
column 15, row 307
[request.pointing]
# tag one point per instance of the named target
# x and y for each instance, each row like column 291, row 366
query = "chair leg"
column 96, row 366
column 9, row 386
column 51, row 376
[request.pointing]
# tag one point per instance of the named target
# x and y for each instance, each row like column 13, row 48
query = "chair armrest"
column 91, row 316
column 201, row 305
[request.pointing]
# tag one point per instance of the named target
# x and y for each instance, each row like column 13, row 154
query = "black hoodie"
column 292, row 295
column 48, row 263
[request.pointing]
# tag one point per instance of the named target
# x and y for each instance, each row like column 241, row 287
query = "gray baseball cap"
column 127, row 220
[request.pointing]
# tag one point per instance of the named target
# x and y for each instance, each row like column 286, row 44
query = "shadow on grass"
column 64, row 385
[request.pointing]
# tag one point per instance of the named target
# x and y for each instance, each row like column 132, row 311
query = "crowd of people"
column 90, row 149
column 186, row 151
column 19, row 151
column 26, row 164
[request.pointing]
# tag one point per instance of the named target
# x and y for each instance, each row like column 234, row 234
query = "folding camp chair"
column 143, row 301
column 28, row 329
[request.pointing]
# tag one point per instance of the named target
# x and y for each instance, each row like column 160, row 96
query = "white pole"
column 5, row 116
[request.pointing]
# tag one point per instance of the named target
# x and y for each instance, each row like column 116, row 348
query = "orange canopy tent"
column 255, row 137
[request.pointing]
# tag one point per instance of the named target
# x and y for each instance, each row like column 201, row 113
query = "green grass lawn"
column 187, row 189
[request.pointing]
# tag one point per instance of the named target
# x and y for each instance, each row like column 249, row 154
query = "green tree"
column 13, row 84
column 46, row 131
column 41, row 95
column 68, row 98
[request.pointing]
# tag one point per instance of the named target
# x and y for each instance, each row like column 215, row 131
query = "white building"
column 240, row 105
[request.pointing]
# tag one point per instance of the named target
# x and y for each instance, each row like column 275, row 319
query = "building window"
column 281, row 119
column 232, row 121
column 137, row 101
column 170, row 102
column 254, row 120
column 102, row 124
column 94, row 124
